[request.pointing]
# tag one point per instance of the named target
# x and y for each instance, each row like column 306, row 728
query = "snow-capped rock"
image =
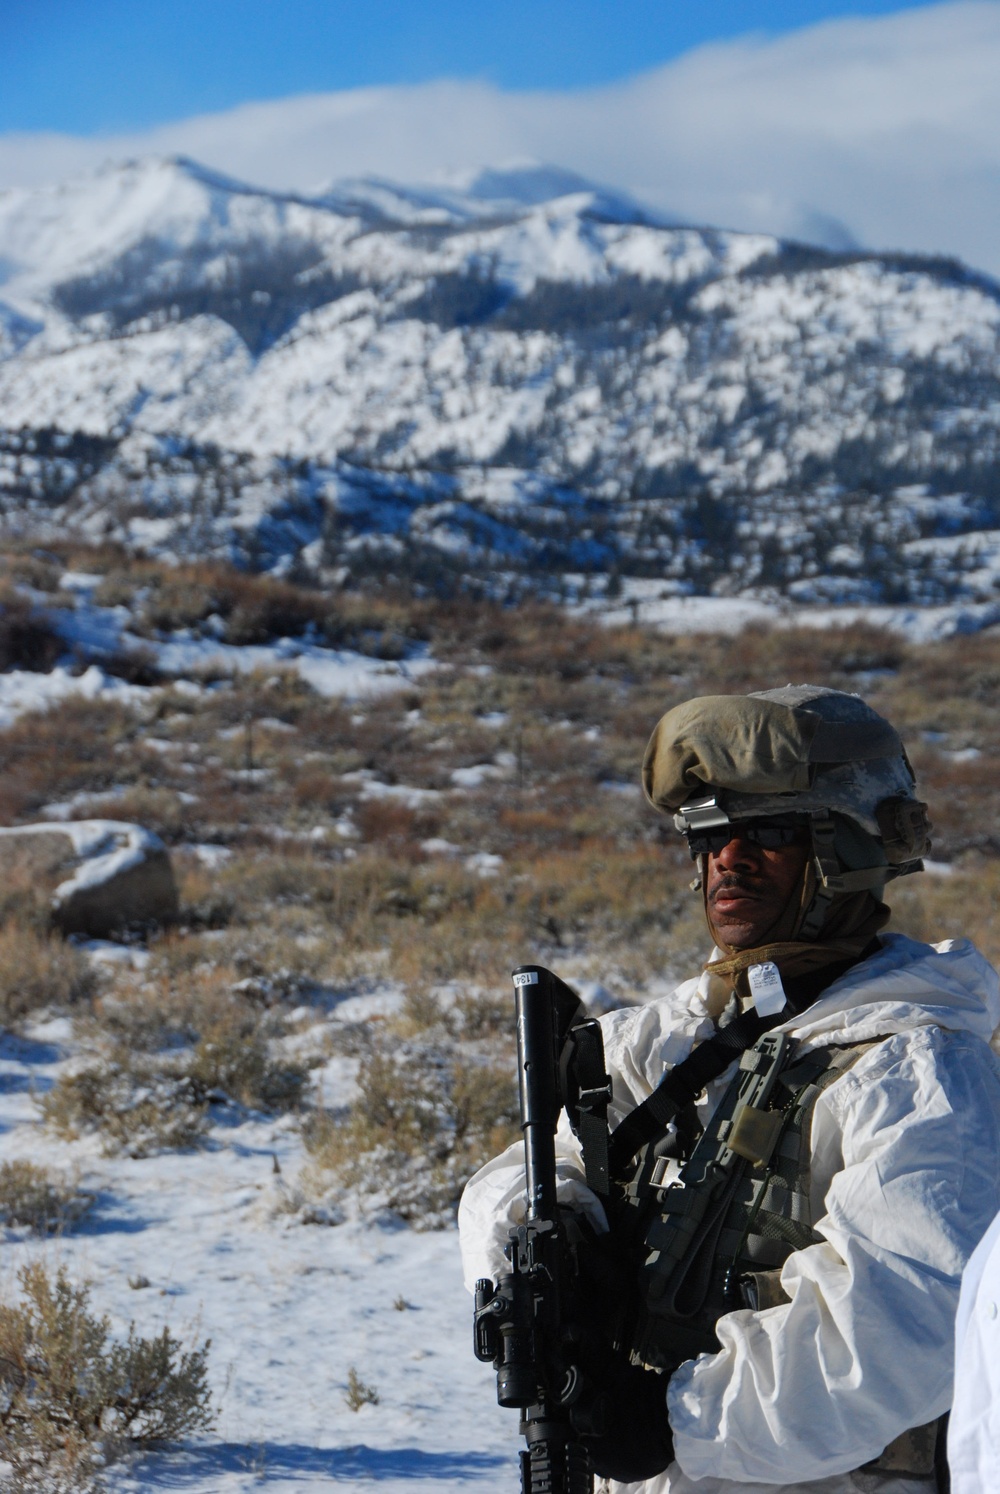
column 119, row 873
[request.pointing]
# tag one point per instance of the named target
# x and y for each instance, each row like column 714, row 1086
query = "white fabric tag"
column 766, row 989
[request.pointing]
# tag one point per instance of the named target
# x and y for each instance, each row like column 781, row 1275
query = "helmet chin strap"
column 830, row 879
column 817, row 893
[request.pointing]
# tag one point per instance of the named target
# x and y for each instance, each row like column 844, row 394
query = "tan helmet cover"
column 736, row 742
column 802, row 748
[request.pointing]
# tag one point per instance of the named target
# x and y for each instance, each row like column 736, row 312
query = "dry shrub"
column 53, row 754
column 33, row 1198
column 427, row 1116
column 140, row 1105
column 233, row 1059
column 278, row 876
column 31, row 867
column 166, row 1052
column 136, row 665
column 629, row 908
column 389, row 820
column 204, row 903
column 156, row 809
column 72, row 1399
column 478, row 1015
column 958, row 906
column 39, row 970
column 36, row 571
column 257, row 608
column 358, row 1393
column 317, row 788
column 27, row 639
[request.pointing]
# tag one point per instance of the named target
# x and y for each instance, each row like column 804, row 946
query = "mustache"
column 735, row 882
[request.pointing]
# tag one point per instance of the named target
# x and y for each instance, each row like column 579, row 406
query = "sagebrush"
column 72, row 1398
column 37, row 1199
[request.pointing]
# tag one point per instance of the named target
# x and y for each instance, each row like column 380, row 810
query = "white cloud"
column 882, row 131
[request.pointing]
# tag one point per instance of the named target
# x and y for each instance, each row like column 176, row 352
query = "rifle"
column 523, row 1321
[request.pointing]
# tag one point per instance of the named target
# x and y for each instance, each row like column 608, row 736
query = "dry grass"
column 961, row 905
column 53, row 754
column 437, row 1097
column 358, row 1393
column 39, row 971
column 349, row 850
column 163, row 1053
column 32, row 1197
column 72, row 1399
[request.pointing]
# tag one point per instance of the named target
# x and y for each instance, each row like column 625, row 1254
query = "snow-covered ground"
column 99, row 632
column 289, row 1307
column 645, row 603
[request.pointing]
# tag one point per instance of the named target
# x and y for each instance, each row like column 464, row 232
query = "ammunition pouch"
column 714, row 1237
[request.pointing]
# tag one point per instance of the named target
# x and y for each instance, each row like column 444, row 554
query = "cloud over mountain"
column 883, row 132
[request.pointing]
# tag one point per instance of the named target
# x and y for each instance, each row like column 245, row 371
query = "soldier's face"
column 749, row 887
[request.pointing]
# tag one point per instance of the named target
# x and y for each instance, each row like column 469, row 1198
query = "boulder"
column 119, row 874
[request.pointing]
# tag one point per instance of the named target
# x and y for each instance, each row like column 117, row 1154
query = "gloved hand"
column 623, row 1423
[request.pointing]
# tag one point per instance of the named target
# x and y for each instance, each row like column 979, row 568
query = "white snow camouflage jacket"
column 905, row 1181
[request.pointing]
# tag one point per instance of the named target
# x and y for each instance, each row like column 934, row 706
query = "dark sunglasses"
column 768, row 834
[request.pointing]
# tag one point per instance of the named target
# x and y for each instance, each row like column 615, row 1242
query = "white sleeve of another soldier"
column 639, row 1043
column 863, row 1351
column 974, row 1430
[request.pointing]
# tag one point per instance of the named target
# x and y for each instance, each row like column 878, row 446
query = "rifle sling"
column 682, row 1084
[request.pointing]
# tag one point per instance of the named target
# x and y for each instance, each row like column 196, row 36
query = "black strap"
column 586, row 1090
column 684, row 1083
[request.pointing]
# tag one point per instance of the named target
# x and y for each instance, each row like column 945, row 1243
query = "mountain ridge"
column 484, row 388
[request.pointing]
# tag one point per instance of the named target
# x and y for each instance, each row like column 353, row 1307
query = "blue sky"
column 116, row 65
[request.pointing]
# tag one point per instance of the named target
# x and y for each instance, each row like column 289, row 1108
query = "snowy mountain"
column 519, row 375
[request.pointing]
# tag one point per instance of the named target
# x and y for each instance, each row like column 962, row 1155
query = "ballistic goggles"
column 709, row 830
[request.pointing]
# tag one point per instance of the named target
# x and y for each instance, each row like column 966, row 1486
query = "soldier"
column 790, row 1265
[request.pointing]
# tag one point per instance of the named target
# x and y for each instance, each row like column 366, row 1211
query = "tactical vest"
column 715, row 1238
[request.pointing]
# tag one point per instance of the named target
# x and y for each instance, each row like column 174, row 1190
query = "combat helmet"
column 801, row 754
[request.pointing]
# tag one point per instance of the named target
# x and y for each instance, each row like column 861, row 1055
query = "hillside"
column 252, row 1126
column 503, row 385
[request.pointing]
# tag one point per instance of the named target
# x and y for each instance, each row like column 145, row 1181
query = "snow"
column 476, row 776
column 373, row 788
column 751, row 372
column 288, row 1307
column 436, row 845
column 341, row 673
column 107, row 953
column 22, row 690
column 210, row 855
column 335, row 673
column 643, row 602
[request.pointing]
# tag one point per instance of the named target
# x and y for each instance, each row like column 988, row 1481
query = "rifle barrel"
column 538, row 1084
